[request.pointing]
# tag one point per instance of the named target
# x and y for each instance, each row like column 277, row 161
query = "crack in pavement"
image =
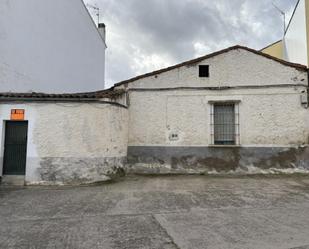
column 176, row 246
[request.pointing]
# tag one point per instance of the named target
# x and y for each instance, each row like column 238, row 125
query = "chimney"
column 101, row 28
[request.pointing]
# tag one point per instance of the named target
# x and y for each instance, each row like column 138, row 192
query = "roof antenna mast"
column 283, row 14
column 97, row 9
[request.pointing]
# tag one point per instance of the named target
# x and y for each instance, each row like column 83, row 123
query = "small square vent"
column 204, row 71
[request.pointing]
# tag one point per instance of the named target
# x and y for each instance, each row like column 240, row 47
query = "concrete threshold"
column 13, row 180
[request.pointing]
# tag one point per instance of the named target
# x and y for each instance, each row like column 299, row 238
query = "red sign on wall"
column 18, row 114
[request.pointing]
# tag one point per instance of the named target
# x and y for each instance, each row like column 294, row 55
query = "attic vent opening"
column 204, row 71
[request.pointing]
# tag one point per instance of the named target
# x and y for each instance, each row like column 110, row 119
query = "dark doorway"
column 15, row 148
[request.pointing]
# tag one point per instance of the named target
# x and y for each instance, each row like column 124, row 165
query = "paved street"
column 183, row 212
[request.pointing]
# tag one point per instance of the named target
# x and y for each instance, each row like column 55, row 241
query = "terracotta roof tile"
column 108, row 93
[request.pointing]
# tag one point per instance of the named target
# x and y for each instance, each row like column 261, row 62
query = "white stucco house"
column 234, row 111
column 50, row 46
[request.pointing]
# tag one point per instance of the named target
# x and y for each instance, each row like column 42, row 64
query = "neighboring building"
column 62, row 138
column 233, row 111
column 50, row 46
column 295, row 43
column 275, row 49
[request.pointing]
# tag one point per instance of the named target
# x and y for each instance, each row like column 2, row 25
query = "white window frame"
column 237, row 121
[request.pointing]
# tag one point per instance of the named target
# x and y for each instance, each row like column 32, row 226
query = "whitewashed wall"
column 295, row 40
column 268, row 117
column 72, row 142
column 273, row 123
column 237, row 67
column 49, row 46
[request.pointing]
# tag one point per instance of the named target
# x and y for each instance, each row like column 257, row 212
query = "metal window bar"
column 212, row 135
column 224, row 125
column 237, row 125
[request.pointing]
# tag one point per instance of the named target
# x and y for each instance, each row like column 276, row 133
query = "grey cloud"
column 145, row 35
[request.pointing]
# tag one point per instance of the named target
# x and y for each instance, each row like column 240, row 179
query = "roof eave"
column 199, row 59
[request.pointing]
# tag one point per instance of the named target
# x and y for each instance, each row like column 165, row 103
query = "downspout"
column 307, row 86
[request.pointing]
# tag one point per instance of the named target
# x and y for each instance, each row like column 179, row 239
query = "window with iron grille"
column 225, row 123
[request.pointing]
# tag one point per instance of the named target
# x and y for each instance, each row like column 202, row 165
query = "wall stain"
column 207, row 159
column 80, row 170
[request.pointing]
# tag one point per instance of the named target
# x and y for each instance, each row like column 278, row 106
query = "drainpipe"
column 307, row 86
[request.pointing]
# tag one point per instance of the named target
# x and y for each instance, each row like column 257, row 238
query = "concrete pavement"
column 176, row 212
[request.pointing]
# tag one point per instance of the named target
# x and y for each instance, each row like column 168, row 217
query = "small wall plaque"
column 173, row 136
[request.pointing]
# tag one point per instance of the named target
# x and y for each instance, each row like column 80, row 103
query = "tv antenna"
column 283, row 14
column 97, row 9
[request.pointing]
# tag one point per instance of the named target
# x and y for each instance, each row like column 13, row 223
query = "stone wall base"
column 168, row 160
column 217, row 160
column 73, row 170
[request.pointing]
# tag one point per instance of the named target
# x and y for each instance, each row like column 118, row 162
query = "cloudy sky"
column 145, row 35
